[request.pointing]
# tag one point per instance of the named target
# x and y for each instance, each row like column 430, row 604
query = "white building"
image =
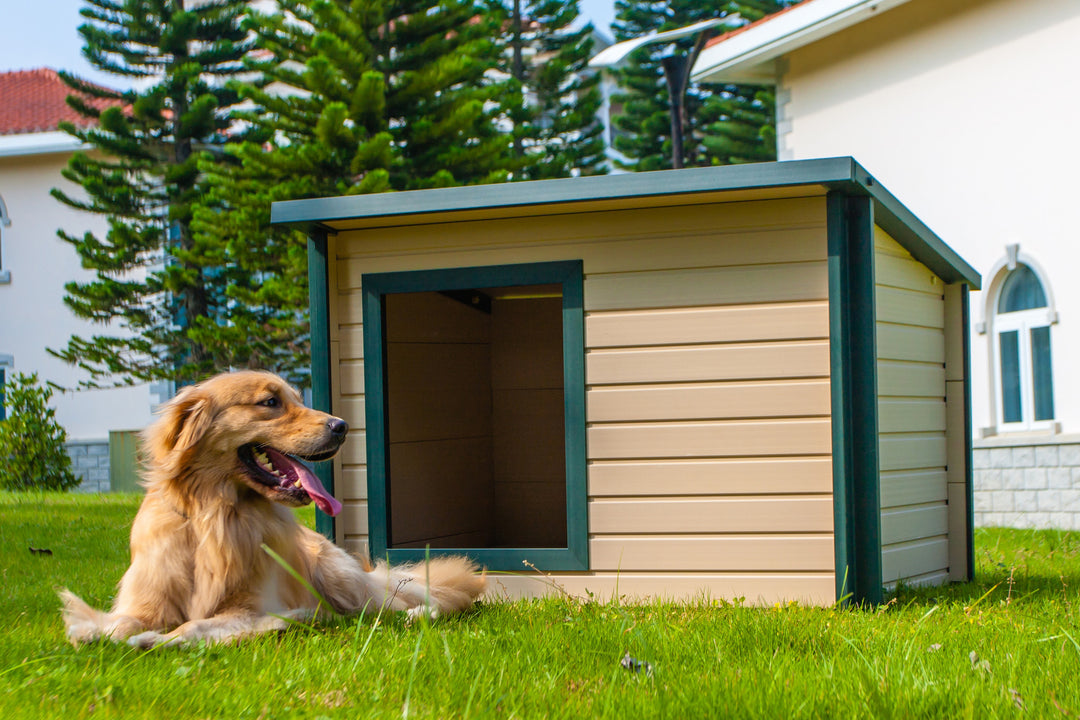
column 965, row 108
column 35, row 263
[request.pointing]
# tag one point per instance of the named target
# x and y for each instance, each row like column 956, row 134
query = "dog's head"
column 249, row 428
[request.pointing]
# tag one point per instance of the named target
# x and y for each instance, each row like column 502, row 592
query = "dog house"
column 747, row 381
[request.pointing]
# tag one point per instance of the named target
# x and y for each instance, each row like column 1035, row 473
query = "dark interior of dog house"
column 475, row 417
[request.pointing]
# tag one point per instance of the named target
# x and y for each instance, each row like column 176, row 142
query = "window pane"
column 1022, row 291
column 1043, row 378
column 1010, row 376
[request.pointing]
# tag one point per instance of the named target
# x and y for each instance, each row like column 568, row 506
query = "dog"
column 221, row 470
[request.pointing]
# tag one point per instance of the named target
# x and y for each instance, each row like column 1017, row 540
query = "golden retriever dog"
column 221, row 471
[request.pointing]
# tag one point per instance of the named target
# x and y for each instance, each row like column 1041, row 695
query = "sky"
column 44, row 33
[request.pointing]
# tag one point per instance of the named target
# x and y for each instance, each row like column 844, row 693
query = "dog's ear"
column 184, row 420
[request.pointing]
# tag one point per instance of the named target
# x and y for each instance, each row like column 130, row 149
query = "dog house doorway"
column 476, row 428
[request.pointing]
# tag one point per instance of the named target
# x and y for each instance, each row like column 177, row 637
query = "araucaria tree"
column 161, row 289
column 347, row 97
column 553, row 111
column 722, row 124
column 361, row 96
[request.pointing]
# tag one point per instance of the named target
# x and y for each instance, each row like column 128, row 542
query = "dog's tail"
column 85, row 624
column 440, row 585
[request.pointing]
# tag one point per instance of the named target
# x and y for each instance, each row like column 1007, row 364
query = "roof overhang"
column 40, row 143
column 757, row 181
column 749, row 55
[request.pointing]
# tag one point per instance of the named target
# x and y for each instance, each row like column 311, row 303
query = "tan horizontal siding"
column 907, row 273
column 912, row 415
column 906, row 414
column 902, row 379
column 351, row 308
column 711, row 515
column 603, row 253
column 921, row 562
column 740, row 476
column 911, row 452
column 913, row 487
column 353, row 483
column 351, row 375
column 708, row 400
column 707, row 286
column 755, row 588
column 717, row 553
column 707, row 373
column 696, row 326
column 694, row 223
column 351, row 409
column 930, row 579
column 801, row 359
column 354, row 451
column 885, row 245
column 907, row 342
column 354, row 516
column 352, row 342
column 710, row 439
column 906, row 307
column 913, row 523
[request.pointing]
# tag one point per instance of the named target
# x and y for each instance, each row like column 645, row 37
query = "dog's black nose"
column 337, row 427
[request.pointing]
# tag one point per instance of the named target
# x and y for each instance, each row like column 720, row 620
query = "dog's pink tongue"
column 323, row 500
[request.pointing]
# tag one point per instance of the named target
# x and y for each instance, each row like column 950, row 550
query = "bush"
column 32, row 454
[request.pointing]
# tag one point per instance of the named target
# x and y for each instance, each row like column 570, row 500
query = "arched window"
column 1022, row 357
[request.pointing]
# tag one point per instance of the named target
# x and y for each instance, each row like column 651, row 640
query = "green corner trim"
column 575, row 556
column 319, row 318
column 853, row 372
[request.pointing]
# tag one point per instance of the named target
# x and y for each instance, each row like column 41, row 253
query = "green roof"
column 842, row 173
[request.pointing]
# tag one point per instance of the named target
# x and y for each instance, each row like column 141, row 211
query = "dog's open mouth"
column 287, row 477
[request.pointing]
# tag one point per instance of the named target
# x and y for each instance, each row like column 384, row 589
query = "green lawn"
column 1005, row 645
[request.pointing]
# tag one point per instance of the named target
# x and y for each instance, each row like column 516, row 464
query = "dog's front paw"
column 415, row 613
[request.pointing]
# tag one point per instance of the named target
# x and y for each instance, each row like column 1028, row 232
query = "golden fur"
column 198, row 571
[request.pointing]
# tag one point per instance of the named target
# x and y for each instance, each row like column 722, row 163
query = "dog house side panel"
column 707, row 388
column 912, row 411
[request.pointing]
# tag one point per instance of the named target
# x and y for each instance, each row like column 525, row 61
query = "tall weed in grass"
column 1003, row 646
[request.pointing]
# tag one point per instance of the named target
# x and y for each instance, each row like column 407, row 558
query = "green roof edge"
column 840, row 173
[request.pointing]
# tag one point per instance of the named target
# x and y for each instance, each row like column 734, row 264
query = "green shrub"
column 32, row 454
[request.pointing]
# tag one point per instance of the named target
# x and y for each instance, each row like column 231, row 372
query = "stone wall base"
column 90, row 462
column 1028, row 483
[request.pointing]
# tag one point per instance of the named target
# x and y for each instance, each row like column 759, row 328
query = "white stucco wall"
column 967, row 111
column 32, row 312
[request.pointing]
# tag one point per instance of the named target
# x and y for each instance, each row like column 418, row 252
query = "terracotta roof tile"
column 739, row 30
column 34, row 101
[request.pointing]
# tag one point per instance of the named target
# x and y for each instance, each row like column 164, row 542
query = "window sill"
column 1053, row 436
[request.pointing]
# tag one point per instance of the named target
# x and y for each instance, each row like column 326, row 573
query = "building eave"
column 748, row 55
column 39, row 143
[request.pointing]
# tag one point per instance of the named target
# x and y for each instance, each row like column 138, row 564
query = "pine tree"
column 348, row 97
column 554, row 113
column 723, row 123
column 159, row 286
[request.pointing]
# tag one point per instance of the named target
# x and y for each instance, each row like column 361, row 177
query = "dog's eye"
column 270, row 402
